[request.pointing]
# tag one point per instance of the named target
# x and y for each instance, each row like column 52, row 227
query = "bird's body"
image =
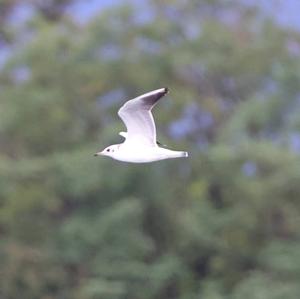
column 140, row 145
column 124, row 134
column 143, row 154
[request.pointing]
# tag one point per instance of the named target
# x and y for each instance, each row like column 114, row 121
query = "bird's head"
column 109, row 151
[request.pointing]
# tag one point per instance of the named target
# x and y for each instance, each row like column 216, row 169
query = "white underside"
column 143, row 154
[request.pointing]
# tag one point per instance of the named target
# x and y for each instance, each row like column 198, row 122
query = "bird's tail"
column 184, row 154
column 178, row 154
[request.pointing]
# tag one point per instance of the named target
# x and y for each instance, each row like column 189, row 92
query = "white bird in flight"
column 140, row 145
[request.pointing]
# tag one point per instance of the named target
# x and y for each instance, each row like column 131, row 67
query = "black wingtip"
column 166, row 89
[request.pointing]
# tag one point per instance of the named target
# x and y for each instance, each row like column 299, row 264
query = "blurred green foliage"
column 223, row 224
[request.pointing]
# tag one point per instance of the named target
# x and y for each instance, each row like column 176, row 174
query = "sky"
column 286, row 12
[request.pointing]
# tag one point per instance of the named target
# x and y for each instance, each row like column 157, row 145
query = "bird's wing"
column 137, row 116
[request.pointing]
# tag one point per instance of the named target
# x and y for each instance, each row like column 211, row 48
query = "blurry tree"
column 222, row 224
column 6, row 7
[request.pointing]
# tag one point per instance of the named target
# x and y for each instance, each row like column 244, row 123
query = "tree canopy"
column 222, row 224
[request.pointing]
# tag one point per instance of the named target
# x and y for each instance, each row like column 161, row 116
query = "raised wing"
column 137, row 116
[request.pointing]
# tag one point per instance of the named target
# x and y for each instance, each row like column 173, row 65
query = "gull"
column 124, row 134
column 140, row 145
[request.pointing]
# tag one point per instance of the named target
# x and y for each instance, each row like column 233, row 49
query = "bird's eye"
column 108, row 150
